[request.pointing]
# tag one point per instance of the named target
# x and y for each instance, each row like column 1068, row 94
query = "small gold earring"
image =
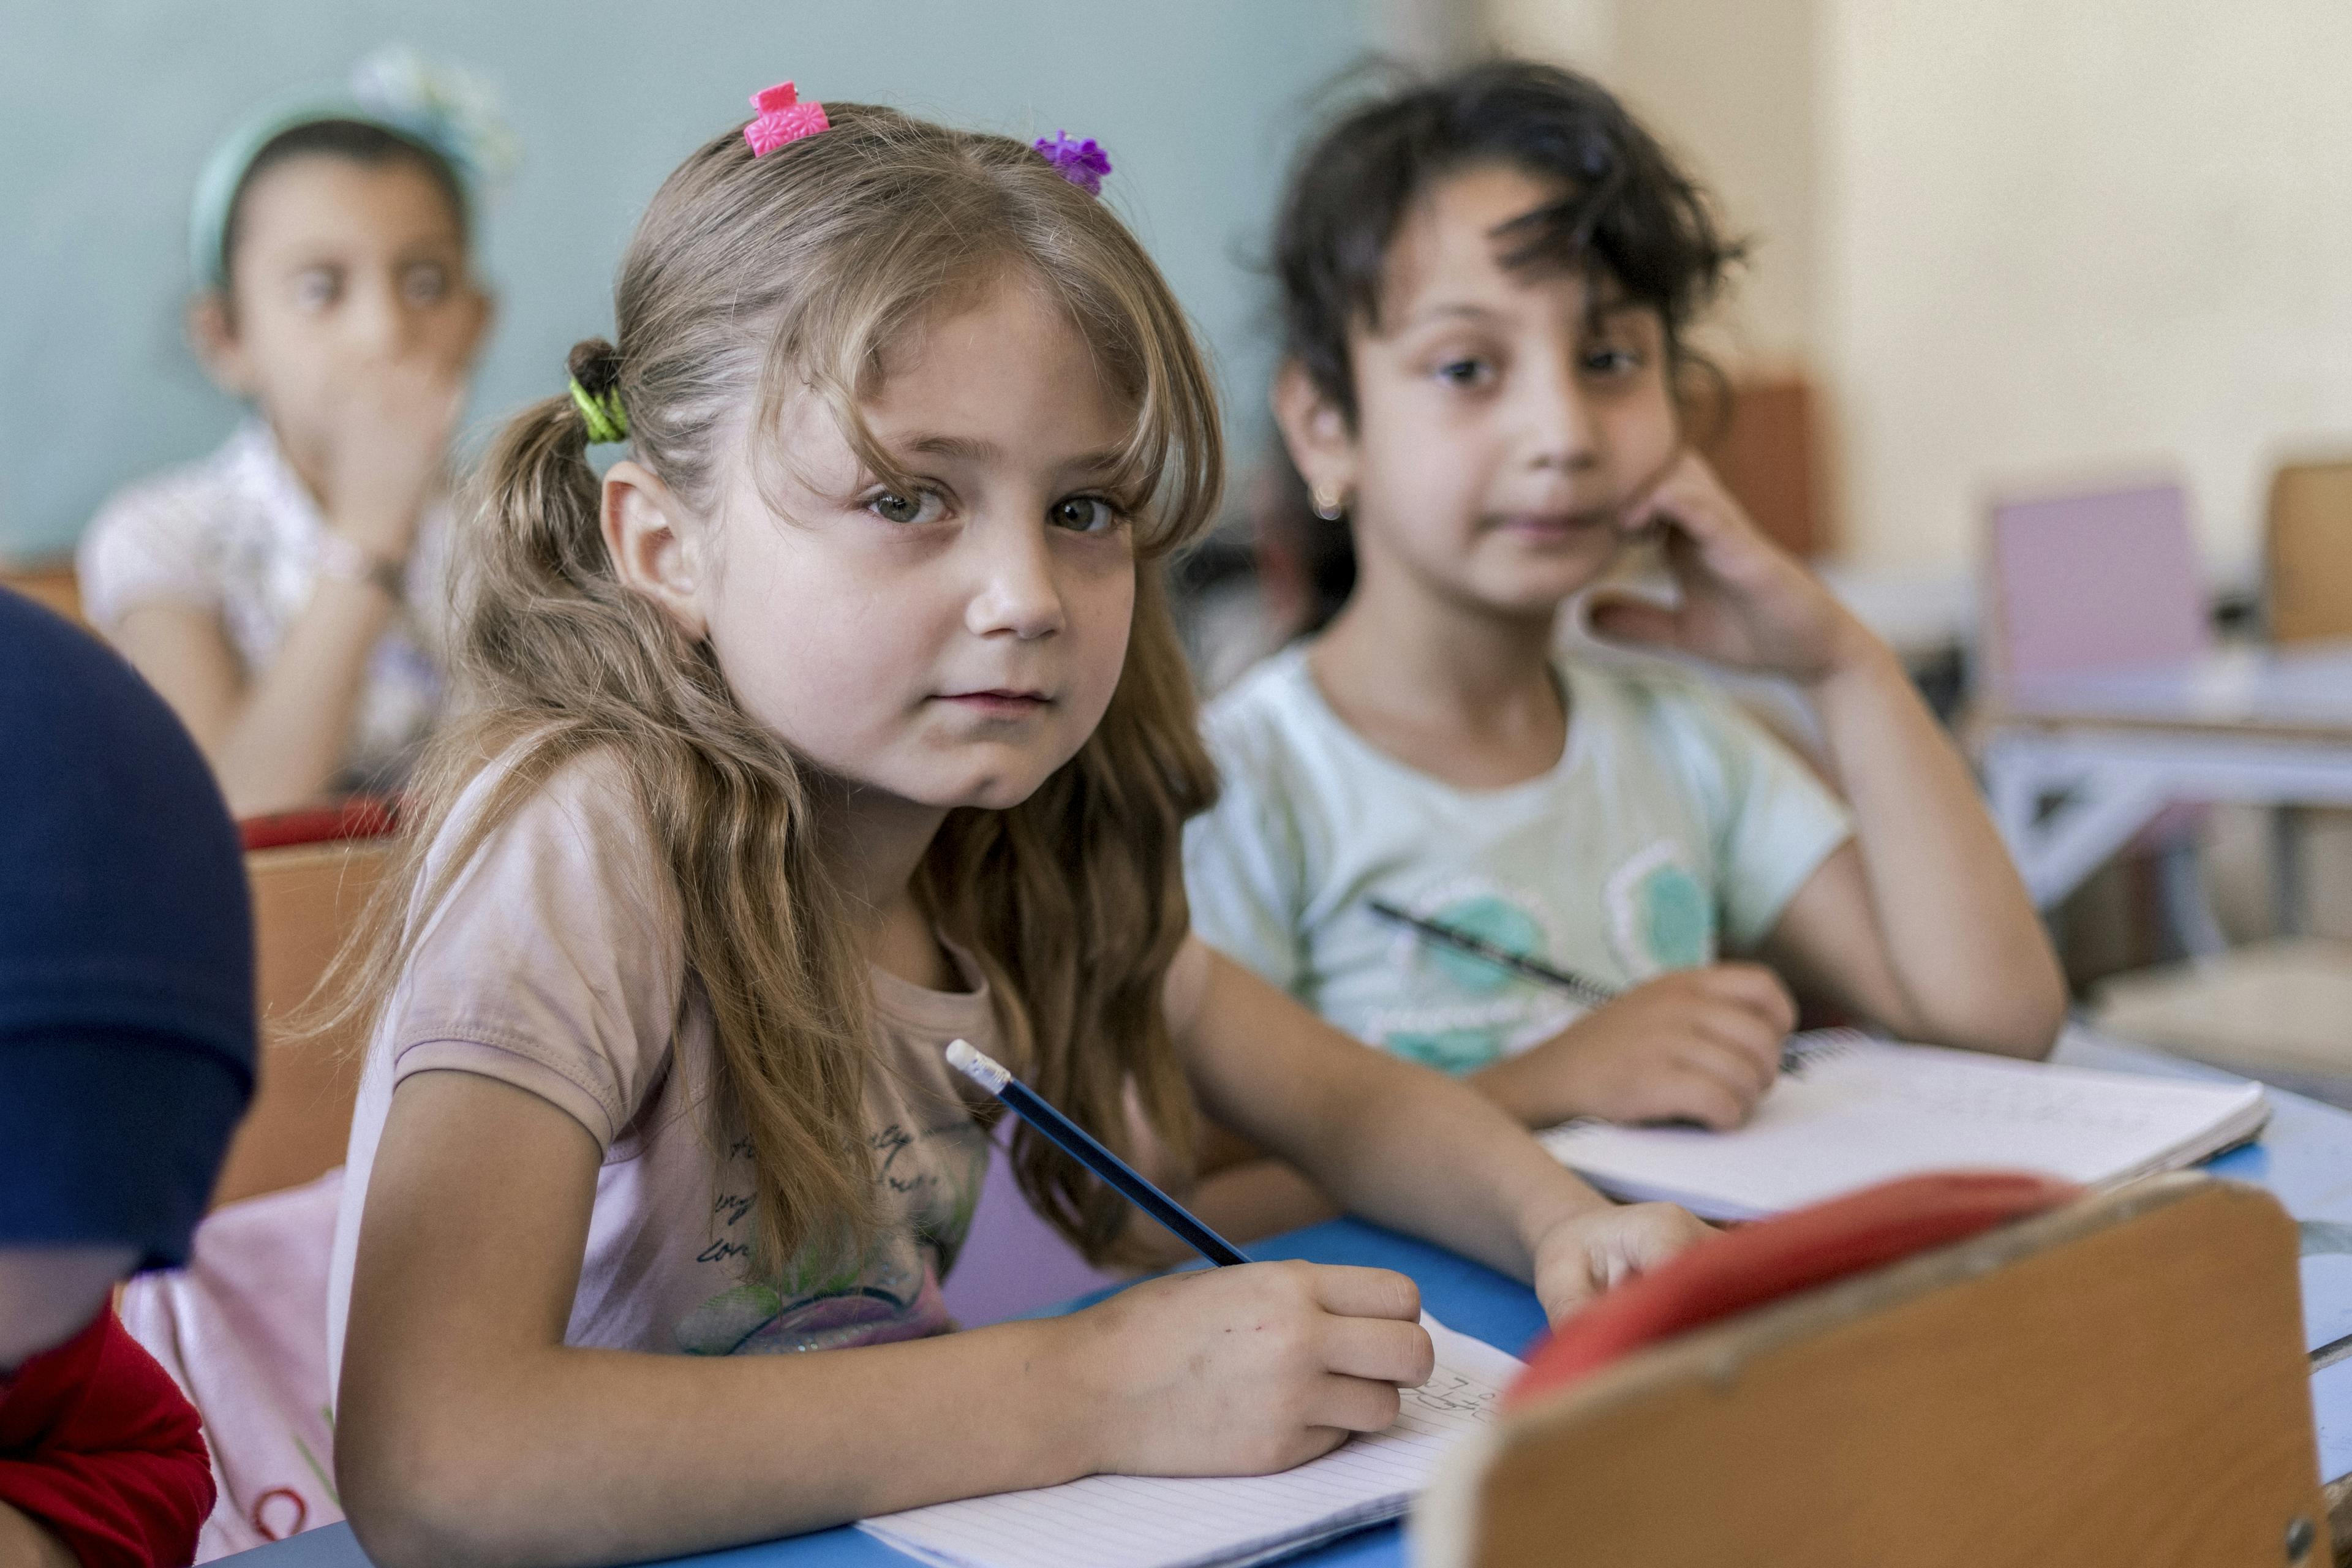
column 1330, row 505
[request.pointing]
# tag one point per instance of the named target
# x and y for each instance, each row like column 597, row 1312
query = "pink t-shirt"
column 556, row 963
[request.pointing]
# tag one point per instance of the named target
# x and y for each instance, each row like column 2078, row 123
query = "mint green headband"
column 447, row 114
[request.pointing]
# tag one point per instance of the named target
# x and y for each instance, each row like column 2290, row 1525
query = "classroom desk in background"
column 2305, row 1157
column 2258, row 726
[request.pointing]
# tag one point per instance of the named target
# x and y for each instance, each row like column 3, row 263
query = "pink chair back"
column 1013, row 1262
column 2082, row 582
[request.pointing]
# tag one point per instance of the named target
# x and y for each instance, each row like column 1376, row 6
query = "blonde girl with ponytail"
column 840, row 717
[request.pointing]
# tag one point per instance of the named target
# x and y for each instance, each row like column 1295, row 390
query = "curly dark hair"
column 1626, row 209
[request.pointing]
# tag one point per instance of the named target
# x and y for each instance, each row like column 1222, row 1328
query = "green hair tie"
column 607, row 421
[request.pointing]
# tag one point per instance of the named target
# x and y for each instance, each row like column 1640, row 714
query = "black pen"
column 1591, row 993
column 1793, row 1056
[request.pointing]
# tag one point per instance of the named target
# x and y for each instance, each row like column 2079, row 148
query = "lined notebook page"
column 1851, row 1111
column 1139, row 1522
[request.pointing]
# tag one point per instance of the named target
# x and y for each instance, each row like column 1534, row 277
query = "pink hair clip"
column 1083, row 163
column 783, row 117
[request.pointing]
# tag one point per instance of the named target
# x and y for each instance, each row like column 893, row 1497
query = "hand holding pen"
column 1235, row 1370
column 1699, row 1045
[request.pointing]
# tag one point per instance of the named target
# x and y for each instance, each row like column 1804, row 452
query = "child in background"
column 126, row 1057
column 845, row 717
column 1485, row 288
column 285, row 594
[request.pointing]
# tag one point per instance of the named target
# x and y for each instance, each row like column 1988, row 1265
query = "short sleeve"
column 1244, row 863
column 555, row 961
column 148, row 545
column 1773, row 820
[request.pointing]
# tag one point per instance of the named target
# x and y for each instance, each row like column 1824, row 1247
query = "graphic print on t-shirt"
column 1499, row 1011
column 1660, row 916
column 931, row 1175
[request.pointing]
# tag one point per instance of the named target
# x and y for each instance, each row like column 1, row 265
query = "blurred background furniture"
column 2307, row 598
column 2308, row 552
column 2077, row 587
column 2278, row 1011
column 51, row 584
column 311, row 874
column 2109, row 715
column 1766, row 448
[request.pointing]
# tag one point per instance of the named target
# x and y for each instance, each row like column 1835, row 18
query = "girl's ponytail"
column 595, row 367
column 539, row 494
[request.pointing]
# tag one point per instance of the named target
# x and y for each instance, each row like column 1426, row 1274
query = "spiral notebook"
column 1850, row 1111
column 1224, row 1521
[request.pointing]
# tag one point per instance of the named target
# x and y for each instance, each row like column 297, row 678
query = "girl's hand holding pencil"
column 1248, row 1368
column 1243, row 1371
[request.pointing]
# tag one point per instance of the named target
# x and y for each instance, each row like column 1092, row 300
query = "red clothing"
column 98, row 1444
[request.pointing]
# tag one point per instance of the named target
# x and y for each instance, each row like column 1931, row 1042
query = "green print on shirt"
column 1676, row 926
column 892, row 1293
column 1455, row 1051
column 1491, row 919
column 1463, row 1048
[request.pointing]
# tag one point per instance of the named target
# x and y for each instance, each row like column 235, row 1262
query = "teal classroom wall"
column 108, row 106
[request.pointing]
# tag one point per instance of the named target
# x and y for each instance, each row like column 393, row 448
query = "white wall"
column 1728, row 86
column 2063, row 239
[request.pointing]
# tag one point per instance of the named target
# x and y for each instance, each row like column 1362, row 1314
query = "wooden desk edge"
column 2318, row 736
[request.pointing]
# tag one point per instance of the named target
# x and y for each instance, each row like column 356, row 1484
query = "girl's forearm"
column 1966, row 944
column 287, row 738
column 561, row 1454
column 1395, row 1143
column 1424, row 1153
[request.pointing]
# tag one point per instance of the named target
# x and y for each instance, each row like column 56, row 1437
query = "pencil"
column 1590, row 991
column 1081, row 1146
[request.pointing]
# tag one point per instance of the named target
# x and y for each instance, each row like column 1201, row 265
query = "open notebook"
column 1850, row 1111
column 1140, row 1521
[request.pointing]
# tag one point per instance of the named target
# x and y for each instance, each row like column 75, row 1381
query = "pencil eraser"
column 982, row 1069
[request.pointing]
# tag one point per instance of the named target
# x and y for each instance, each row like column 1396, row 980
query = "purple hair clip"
column 1083, row 163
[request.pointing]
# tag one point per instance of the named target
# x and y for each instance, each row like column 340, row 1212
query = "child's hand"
column 1745, row 602
column 1590, row 1251
column 388, row 447
column 1247, row 1370
column 1695, row 1045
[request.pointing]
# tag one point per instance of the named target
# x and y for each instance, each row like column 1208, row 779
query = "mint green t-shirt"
column 1674, row 828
